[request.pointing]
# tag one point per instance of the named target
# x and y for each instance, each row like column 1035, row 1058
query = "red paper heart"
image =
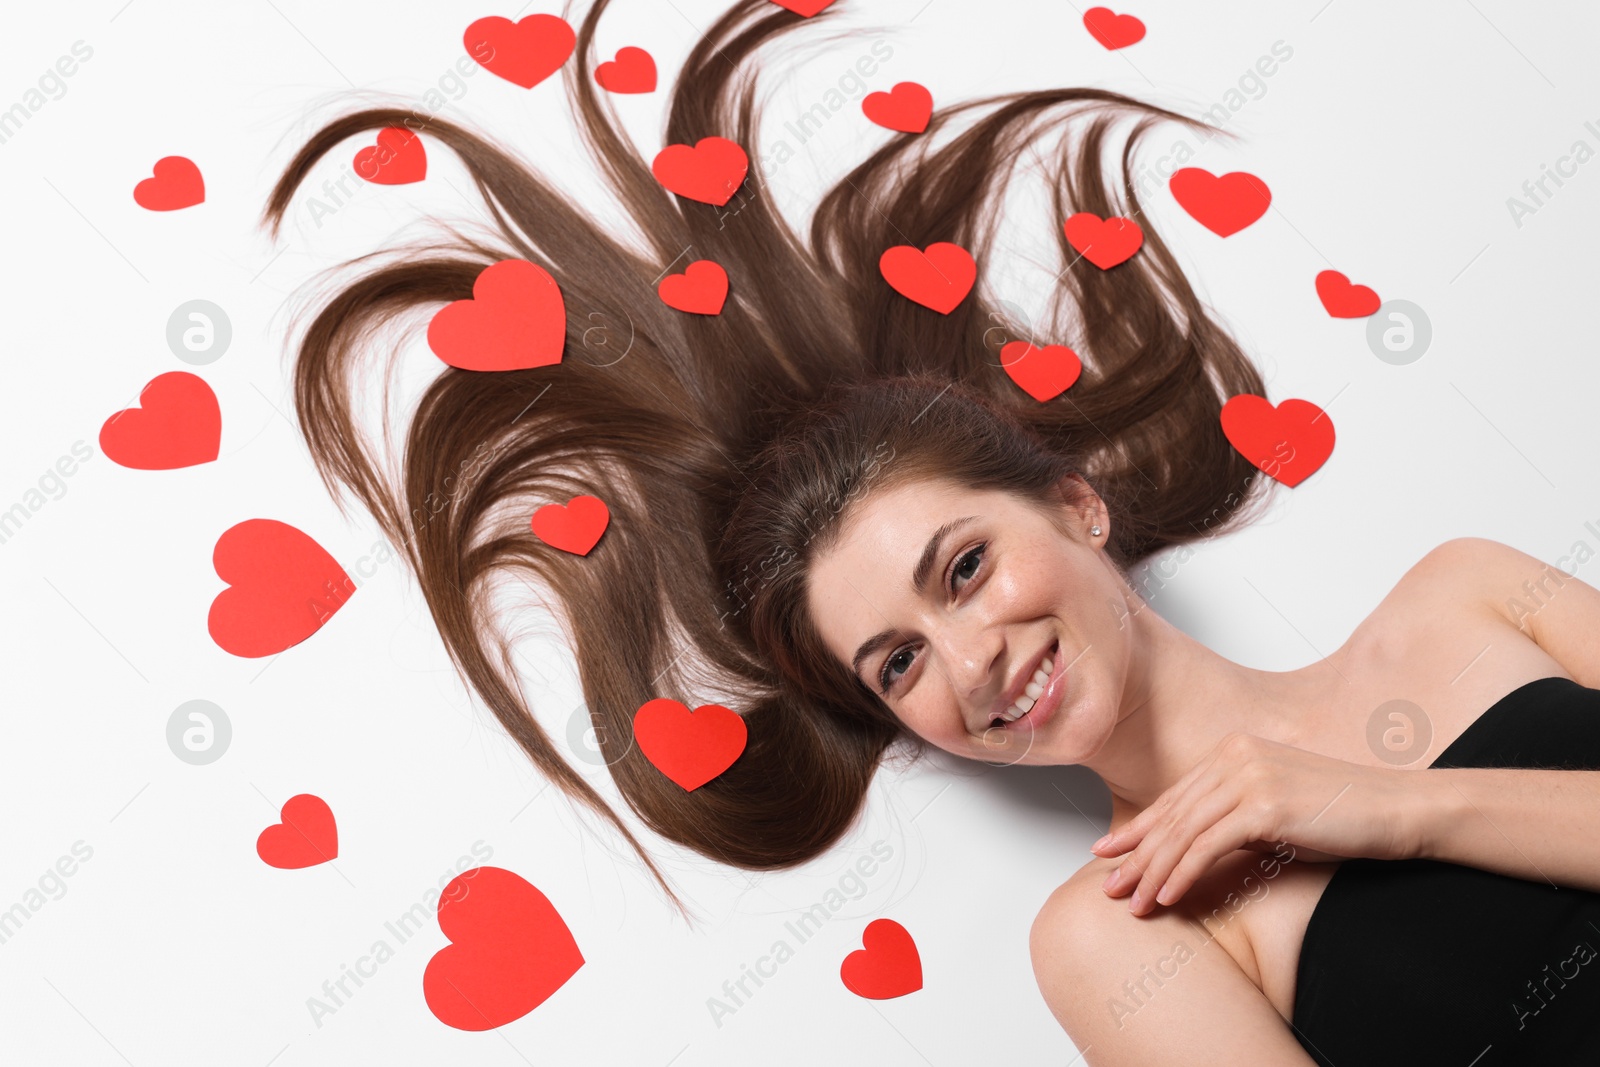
column 1343, row 300
column 306, row 837
column 509, row 950
column 709, row 172
column 907, row 107
column 1103, row 242
column 515, row 319
column 888, row 966
column 690, row 748
column 1222, row 205
column 938, row 277
column 803, row 7
column 702, row 288
column 397, row 158
column 175, row 183
column 573, row 527
column 1111, row 29
column 633, row 71
column 524, row 53
column 177, row 424
column 282, row 586
column 1043, row 373
column 1289, row 442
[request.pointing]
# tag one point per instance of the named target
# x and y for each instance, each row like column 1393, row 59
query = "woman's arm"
column 1131, row 992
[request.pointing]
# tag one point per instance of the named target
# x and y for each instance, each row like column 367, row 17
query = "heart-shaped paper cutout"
column 282, row 586
column 1289, row 442
column 633, row 71
column 509, row 951
column 174, row 183
column 702, row 288
column 1103, row 242
column 525, row 52
column 803, row 7
column 886, row 966
column 1222, row 205
column 938, row 277
column 907, row 107
column 1111, row 29
column 1344, row 300
column 709, row 172
column 306, row 837
column 691, row 748
column 573, row 527
column 1043, row 373
column 397, row 159
column 178, row 423
column 515, row 319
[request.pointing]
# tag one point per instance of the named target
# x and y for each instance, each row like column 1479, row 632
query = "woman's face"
column 1003, row 585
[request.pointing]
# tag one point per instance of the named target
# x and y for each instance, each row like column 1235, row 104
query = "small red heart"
column 633, row 71
column 306, row 837
column 1103, row 242
column 907, row 107
column 524, row 53
column 178, row 423
column 1043, row 373
column 803, row 7
column 709, row 172
column 515, row 319
column 175, row 183
column 509, row 950
column 887, row 966
column 691, row 748
column 938, row 277
column 573, row 527
column 282, row 586
column 1289, row 442
column 1343, row 300
column 397, row 158
column 1222, row 205
column 1111, row 29
column 702, row 288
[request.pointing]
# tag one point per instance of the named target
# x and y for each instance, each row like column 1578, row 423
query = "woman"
column 774, row 474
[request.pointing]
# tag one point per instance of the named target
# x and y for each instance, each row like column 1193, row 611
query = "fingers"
column 1148, row 866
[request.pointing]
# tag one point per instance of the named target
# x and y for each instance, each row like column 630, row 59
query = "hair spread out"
column 727, row 446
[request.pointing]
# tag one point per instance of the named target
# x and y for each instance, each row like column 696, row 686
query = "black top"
column 1421, row 962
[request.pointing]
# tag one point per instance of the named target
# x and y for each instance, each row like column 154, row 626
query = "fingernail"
column 1110, row 878
column 1100, row 843
column 1163, row 896
column 1133, row 904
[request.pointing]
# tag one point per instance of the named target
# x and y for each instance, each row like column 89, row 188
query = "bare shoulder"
column 1134, row 990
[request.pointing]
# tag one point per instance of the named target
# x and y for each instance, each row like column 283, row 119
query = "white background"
column 1391, row 140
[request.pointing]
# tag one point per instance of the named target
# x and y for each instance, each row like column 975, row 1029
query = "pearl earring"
column 1094, row 531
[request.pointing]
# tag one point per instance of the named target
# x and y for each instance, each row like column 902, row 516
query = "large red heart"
column 633, row 71
column 515, row 319
column 1289, row 442
column 509, row 950
column 709, row 172
column 282, row 586
column 1111, row 29
column 306, row 837
column 1043, row 373
column 691, row 748
column 887, row 966
column 1103, row 242
column 178, row 423
column 938, row 277
column 907, row 107
column 524, row 53
column 573, row 527
column 397, row 158
column 702, row 288
column 803, row 7
column 1343, row 300
column 1222, row 205
column 175, row 183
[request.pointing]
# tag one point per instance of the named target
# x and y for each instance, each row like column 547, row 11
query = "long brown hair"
column 727, row 446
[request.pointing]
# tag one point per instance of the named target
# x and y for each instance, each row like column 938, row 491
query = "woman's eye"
column 965, row 567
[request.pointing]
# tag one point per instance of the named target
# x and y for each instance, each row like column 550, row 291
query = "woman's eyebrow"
column 919, row 580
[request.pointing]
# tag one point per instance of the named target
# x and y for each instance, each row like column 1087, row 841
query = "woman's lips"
column 1044, row 708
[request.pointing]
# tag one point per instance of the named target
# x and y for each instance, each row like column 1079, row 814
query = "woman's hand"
column 1253, row 793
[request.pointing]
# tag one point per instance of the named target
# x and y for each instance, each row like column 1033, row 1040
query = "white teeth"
column 1033, row 688
column 1030, row 693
